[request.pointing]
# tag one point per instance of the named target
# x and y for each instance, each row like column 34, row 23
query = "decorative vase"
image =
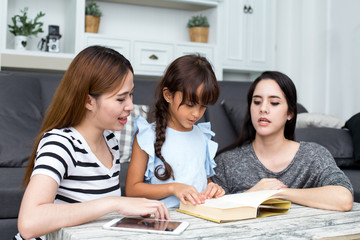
column 92, row 23
column 20, row 42
column 199, row 34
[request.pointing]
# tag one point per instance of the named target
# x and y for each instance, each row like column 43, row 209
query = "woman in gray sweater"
column 265, row 156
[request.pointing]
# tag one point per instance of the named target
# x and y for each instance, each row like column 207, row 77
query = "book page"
column 251, row 199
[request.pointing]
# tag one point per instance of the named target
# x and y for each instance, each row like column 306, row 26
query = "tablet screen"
column 147, row 224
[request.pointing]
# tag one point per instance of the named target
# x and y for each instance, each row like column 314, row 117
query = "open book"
column 234, row 207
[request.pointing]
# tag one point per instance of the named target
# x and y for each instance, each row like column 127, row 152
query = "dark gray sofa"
column 25, row 96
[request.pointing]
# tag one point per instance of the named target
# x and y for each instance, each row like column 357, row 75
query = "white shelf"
column 36, row 60
column 189, row 5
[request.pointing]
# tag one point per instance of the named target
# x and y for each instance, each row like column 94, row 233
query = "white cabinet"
column 248, row 35
column 151, row 58
column 149, row 33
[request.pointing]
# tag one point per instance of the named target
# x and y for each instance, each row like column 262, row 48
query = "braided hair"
column 186, row 74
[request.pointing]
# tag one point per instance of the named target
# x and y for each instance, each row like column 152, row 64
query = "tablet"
column 149, row 225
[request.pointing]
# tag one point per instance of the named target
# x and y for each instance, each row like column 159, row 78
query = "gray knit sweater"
column 313, row 166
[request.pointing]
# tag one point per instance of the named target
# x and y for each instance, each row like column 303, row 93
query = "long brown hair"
column 94, row 71
column 185, row 74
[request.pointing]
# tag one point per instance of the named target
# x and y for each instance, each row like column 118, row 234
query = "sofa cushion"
column 236, row 111
column 8, row 228
column 20, row 118
column 354, row 176
column 49, row 84
column 353, row 124
column 337, row 141
column 11, row 191
column 125, row 135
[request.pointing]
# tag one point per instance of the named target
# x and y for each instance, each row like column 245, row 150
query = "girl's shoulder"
column 141, row 123
column 144, row 132
column 205, row 128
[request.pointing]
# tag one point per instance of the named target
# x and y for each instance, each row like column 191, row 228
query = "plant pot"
column 199, row 34
column 92, row 23
column 20, row 42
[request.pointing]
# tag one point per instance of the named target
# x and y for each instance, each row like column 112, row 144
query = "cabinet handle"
column 153, row 57
column 248, row 9
column 245, row 9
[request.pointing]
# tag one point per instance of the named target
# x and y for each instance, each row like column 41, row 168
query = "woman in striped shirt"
column 73, row 172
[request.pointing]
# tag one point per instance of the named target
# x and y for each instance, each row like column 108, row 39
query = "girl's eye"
column 120, row 99
column 275, row 103
column 189, row 105
column 256, row 102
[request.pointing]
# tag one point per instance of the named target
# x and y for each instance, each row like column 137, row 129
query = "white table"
column 299, row 223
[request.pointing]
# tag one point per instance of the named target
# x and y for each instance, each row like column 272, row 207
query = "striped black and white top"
column 65, row 156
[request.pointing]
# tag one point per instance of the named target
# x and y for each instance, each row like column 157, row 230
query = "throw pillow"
column 337, row 141
column 125, row 135
column 236, row 111
column 353, row 124
column 305, row 120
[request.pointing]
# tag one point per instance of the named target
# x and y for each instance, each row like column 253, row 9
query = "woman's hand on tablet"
column 143, row 207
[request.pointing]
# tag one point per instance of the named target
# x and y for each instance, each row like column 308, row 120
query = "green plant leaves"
column 22, row 25
column 93, row 9
column 198, row 21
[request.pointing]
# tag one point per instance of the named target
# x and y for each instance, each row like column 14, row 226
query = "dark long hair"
column 185, row 74
column 248, row 132
column 95, row 70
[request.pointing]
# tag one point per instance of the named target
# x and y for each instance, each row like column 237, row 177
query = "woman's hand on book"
column 213, row 191
column 186, row 192
column 268, row 184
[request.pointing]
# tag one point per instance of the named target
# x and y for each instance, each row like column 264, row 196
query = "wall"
column 317, row 47
column 344, row 58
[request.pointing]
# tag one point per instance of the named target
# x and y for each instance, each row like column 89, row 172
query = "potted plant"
column 92, row 17
column 22, row 27
column 198, row 28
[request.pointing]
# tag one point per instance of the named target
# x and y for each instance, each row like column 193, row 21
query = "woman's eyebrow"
column 272, row 96
column 125, row 93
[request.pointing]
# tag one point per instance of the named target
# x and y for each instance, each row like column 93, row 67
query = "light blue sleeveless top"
column 190, row 154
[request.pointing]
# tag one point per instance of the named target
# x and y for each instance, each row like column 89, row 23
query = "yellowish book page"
column 251, row 199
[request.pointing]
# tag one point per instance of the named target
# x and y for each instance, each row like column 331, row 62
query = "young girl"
column 265, row 156
column 73, row 172
column 173, row 154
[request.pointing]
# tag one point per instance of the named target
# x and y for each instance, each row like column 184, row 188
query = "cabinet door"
column 234, row 34
column 260, row 32
column 249, row 31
